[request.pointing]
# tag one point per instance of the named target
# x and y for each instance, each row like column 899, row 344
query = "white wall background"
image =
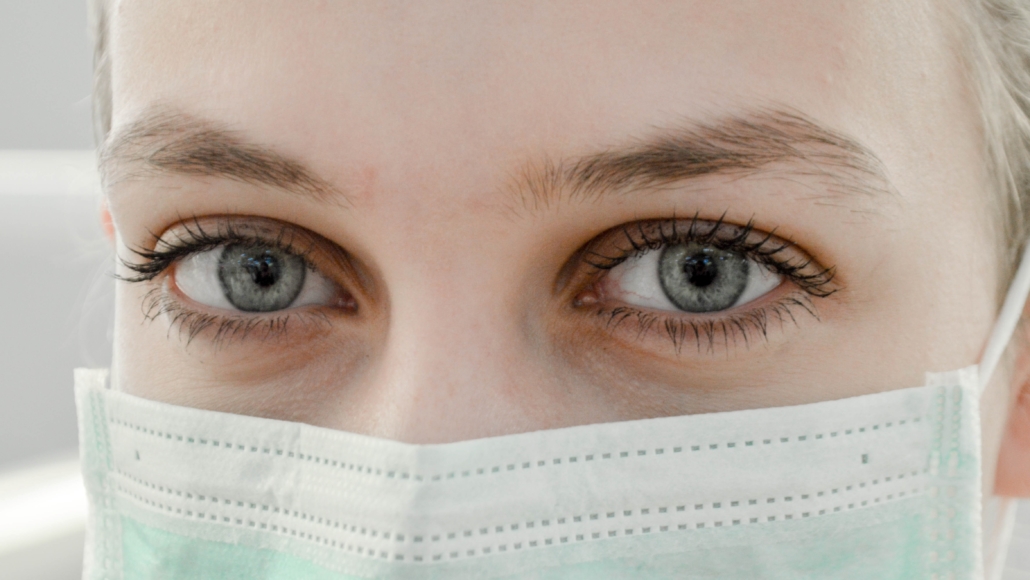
column 51, row 256
column 45, row 71
column 55, row 297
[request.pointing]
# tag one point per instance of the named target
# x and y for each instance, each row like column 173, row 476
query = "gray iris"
column 260, row 278
column 699, row 278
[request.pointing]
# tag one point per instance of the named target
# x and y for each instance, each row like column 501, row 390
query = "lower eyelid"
column 190, row 323
column 708, row 333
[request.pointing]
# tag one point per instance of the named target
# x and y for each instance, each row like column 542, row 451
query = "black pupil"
column 264, row 269
column 700, row 270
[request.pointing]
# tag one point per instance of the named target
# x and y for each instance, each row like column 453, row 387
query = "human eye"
column 251, row 277
column 237, row 276
column 707, row 281
column 690, row 277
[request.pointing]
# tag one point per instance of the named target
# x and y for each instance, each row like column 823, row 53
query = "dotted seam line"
column 353, row 529
column 496, row 469
column 486, row 550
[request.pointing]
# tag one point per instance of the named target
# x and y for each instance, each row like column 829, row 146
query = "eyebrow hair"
column 164, row 140
column 736, row 145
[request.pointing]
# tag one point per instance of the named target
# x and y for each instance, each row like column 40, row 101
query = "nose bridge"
column 449, row 365
column 442, row 323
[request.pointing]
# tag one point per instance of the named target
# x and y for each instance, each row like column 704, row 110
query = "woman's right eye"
column 252, row 277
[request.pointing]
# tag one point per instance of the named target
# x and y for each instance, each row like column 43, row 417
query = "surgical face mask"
column 877, row 486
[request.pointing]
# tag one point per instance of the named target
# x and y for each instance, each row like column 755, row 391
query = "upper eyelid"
column 817, row 281
column 760, row 245
column 320, row 253
column 649, row 241
column 191, row 237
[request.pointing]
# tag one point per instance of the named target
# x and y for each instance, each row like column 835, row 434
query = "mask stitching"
column 106, row 522
column 497, row 469
column 486, row 550
column 460, row 535
column 942, row 549
column 481, row 549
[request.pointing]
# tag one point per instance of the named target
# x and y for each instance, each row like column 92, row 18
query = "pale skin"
column 461, row 306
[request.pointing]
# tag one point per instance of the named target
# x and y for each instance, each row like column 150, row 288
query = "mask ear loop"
column 1008, row 318
column 999, row 539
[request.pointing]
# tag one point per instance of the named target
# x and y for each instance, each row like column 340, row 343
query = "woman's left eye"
column 251, row 277
column 689, row 277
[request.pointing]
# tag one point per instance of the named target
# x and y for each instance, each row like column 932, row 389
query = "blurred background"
column 56, row 290
column 56, row 293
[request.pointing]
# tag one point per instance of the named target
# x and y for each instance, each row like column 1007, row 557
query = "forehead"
column 444, row 85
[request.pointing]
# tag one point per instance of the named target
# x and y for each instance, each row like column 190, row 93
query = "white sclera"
column 636, row 282
column 196, row 276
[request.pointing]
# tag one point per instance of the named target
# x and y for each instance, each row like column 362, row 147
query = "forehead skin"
column 422, row 113
column 462, row 90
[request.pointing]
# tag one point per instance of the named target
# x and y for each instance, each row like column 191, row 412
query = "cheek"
column 925, row 286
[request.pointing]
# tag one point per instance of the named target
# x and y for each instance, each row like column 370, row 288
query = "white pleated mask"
column 877, row 486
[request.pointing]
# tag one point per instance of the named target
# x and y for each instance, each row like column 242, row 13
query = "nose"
column 463, row 358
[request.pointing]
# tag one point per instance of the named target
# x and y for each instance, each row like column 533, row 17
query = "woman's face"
column 440, row 221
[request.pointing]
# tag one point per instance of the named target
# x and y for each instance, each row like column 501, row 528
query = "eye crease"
column 709, row 282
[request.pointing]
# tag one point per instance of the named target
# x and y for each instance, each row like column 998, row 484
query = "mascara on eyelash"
column 188, row 322
column 191, row 323
column 651, row 235
column 195, row 239
column 734, row 328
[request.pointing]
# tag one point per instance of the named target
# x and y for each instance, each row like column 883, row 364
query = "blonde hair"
column 997, row 62
column 98, row 19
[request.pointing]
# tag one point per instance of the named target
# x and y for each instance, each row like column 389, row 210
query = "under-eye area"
column 238, row 277
column 706, row 282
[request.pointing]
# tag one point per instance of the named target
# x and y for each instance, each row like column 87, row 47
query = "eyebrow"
column 168, row 141
column 736, row 146
column 165, row 141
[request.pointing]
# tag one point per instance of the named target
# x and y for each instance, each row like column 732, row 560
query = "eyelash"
column 158, row 302
column 195, row 239
column 637, row 237
column 813, row 280
column 190, row 323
